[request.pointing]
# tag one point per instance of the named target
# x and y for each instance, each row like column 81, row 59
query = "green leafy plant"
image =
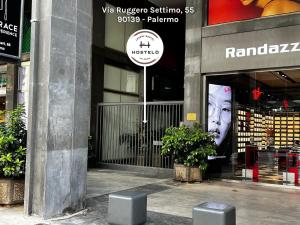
column 12, row 144
column 190, row 146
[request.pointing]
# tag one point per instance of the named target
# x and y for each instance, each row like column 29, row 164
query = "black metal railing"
column 123, row 138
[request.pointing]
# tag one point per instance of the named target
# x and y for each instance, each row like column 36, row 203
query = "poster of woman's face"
column 223, row 11
column 219, row 111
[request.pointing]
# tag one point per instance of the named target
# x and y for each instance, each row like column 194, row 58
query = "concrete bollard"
column 127, row 208
column 214, row 213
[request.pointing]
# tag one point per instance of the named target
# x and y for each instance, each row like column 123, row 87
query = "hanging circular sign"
column 145, row 47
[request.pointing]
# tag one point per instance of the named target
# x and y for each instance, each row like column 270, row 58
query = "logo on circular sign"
column 145, row 47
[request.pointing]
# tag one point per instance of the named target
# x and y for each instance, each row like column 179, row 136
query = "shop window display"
column 220, row 124
column 264, row 125
column 219, row 111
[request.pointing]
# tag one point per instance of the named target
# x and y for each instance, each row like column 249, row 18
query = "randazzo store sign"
column 11, row 18
column 262, row 49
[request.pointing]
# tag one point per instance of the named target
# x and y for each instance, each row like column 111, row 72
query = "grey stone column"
column 12, row 86
column 192, row 80
column 59, row 107
column 97, row 70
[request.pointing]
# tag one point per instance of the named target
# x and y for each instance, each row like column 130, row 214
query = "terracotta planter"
column 189, row 174
column 11, row 191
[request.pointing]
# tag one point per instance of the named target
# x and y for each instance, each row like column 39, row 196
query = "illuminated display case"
column 268, row 131
column 243, row 129
column 250, row 128
column 280, row 130
column 256, row 127
column 287, row 129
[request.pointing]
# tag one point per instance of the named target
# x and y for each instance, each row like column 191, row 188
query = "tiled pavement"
column 171, row 202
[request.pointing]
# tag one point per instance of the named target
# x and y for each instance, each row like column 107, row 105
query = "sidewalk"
column 171, row 202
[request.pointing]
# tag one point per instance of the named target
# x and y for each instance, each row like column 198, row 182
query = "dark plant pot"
column 187, row 173
column 11, row 191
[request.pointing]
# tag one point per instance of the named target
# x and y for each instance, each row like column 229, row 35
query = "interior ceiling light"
column 285, row 77
column 297, row 101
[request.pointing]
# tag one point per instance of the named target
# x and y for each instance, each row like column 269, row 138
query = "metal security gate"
column 124, row 139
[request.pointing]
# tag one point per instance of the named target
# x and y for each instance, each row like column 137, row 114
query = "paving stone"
column 171, row 203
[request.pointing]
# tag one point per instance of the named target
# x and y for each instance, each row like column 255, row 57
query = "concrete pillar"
column 59, row 107
column 12, row 86
column 192, row 79
column 98, row 53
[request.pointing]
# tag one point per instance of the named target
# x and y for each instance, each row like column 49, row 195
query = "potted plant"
column 12, row 157
column 190, row 146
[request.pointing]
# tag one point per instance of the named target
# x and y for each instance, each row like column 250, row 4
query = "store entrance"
column 256, row 120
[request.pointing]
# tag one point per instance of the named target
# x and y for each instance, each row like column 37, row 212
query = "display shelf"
column 260, row 128
column 243, row 130
column 286, row 129
column 257, row 127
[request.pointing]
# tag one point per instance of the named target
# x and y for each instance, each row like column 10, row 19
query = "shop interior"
column 262, row 137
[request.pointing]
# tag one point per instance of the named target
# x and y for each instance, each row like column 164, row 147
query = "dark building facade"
column 240, row 80
column 238, row 75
